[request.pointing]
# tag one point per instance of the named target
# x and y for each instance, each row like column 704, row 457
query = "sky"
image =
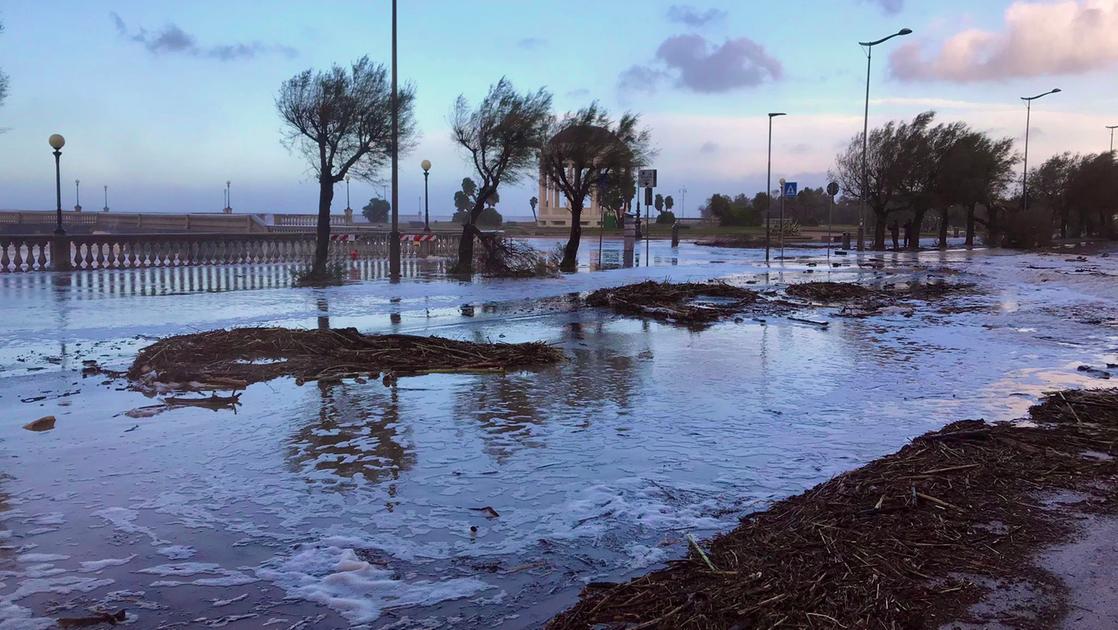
column 163, row 102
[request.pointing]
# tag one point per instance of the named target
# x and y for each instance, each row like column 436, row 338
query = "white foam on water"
column 91, row 566
column 41, row 557
column 216, row 575
column 124, row 519
column 176, row 552
column 335, row 577
column 13, row 617
column 60, row 585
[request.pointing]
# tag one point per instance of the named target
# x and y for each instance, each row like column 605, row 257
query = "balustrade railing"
column 120, row 251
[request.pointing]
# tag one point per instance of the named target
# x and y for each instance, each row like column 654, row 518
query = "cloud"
column 699, row 66
column 578, row 93
column 172, row 40
column 689, row 15
column 640, row 79
column 1058, row 38
column 890, row 7
column 531, row 43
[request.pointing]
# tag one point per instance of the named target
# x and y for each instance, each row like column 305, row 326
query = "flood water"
column 355, row 504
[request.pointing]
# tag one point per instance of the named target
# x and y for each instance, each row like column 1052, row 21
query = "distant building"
column 555, row 212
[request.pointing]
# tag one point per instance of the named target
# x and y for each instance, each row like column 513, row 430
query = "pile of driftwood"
column 232, row 359
column 907, row 541
column 506, row 258
column 861, row 301
column 688, row 303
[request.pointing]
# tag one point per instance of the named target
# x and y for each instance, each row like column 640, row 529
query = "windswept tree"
column 616, row 197
column 930, row 151
column 1093, row 191
column 1048, row 185
column 3, row 77
column 889, row 169
column 341, row 122
column 501, row 138
column 584, row 148
column 377, row 210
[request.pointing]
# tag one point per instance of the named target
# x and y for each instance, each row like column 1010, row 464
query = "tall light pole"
column 347, row 206
column 228, row 197
column 865, row 135
column 394, row 233
column 769, row 186
column 106, row 208
column 57, row 142
column 1025, row 170
column 1112, row 128
column 683, row 202
column 77, row 195
column 426, row 166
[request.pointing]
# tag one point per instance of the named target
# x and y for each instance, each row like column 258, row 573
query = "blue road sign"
column 789, row 189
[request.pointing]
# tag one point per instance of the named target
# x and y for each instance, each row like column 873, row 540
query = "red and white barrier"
column 418, row 238
column 343, row 238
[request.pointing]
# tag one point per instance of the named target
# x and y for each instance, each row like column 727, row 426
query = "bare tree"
column 585, row 148
column 501, row 137
column 341, row 122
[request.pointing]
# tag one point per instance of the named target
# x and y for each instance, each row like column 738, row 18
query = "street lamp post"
column 57, row 142
column 865, row 135
column 77, row 195
column 769, row 186
column 426, row 166
column 106, row 208
column 347, row 206
column 1025, row 170
column 1112, row 128
column 782, row 182
column 394, row 234
column 228, row 198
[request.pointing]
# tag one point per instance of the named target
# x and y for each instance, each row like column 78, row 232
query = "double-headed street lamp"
column 1025, row 171
column 1112, row 128
column 426, row 166
column 866, row 132
column 57, row 142
column 769, row 186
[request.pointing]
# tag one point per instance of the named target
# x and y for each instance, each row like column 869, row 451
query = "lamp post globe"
column 426, row 166
column 56, row 141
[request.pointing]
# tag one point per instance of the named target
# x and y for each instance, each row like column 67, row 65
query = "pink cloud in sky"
column 1038, row 39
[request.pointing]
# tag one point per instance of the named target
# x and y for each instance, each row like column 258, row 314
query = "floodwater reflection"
column 357, row 437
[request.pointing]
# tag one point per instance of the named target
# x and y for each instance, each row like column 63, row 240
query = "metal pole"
column 865, row 153
column 647, row 235
column 1025, row 170
column 106, row 199
column 58, row 189
column 830, row 221
column 426, row 205
column 78, row 193
column 347, row 192
column 394, row 234
column 782, row 223
column 769, row 192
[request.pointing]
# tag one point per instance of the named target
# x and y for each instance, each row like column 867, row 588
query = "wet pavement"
column 479, row 500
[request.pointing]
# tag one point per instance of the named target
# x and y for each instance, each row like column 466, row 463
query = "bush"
column 666, row 217
column 490, row 217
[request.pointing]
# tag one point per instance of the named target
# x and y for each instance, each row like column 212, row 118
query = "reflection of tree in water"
column 598, row 380
column 357, row 436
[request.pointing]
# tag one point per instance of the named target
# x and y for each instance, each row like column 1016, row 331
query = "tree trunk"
column 879, row 231
column 917, row 227
column 970, row 224
column 465, row 263
column 943, row 229
column 322, row 232
column 570, row 250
